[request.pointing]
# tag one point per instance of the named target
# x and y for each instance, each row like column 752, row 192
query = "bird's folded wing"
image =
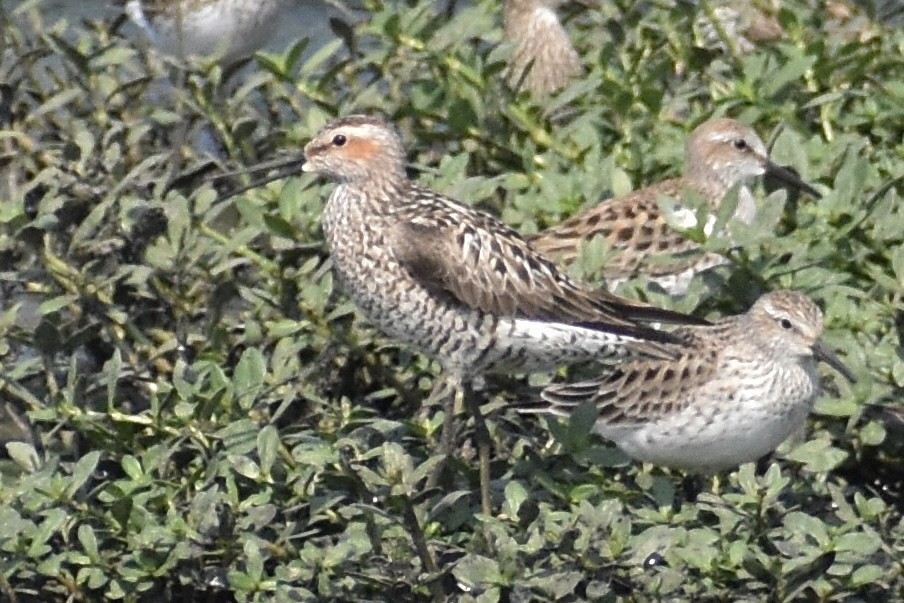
column 639, row 391
column 489, row 267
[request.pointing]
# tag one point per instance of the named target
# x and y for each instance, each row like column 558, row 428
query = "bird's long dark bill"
column 277, row 164
column 281, row 168
column 821, row 352
column 789, row 177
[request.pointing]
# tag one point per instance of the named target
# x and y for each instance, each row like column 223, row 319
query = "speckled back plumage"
column 452, row 281
column 739, row 389
column 632, row 226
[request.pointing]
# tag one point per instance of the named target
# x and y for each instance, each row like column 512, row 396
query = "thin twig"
column 409, row 518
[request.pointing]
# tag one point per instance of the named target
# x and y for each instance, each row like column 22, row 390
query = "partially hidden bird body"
column 543, row 55
column 738, row 390
column 720, row 154
column 227, row 29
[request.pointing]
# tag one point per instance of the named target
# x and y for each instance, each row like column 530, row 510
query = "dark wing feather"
column 645, row 390
column 478, row 261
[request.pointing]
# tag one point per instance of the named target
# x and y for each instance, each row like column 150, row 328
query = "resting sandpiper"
column 719, row 155
column 739, row 389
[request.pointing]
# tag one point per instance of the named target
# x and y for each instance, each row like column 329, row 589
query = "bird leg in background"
column 482, row 435
column 462, row 396
column 441, row 389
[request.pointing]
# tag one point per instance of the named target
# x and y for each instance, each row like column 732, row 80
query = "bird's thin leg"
column 482, row 435
column 447, row 437
column 441, row 388
column 463, row 395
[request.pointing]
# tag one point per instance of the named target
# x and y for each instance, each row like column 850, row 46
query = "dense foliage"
column 190, row 413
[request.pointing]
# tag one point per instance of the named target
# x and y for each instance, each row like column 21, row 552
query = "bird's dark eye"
column 740, row 144
column 786, row 324
column 339, row 140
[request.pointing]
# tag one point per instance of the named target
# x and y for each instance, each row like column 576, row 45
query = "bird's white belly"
column 715, row 436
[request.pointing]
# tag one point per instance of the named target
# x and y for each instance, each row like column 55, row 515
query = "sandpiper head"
column 727, row 150
column 790, row 324
column 355, row 150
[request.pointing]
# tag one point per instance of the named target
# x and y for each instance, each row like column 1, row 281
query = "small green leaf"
column 83, row 470
column 862, row 543
column 245, row 467
column 24, row 455
column 278, row 226
column 89, row 541
column 792, row 68
column 53, row 521
column 242, row 582
column 113, row 370
column 621, row 183
column 580, row 424
column 515, row 495
column 818, row 455
column 475, row 570
column 249, row 375
column 267, row 446
column 55, row 304
column 132, row 467
column 872, row 434
column 254, row 561
column 867, row 574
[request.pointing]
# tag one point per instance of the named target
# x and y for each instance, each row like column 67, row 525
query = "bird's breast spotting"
column 386, row 292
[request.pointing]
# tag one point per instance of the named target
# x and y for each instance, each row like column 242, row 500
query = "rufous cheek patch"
column 362, row 149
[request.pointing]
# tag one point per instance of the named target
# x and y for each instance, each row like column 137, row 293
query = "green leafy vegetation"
column 191, row 413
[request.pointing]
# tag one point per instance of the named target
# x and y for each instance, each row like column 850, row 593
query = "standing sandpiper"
column 720, row 154
column 456, row 283
column 738, row 390
column 227, row 29
column 542, row 46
